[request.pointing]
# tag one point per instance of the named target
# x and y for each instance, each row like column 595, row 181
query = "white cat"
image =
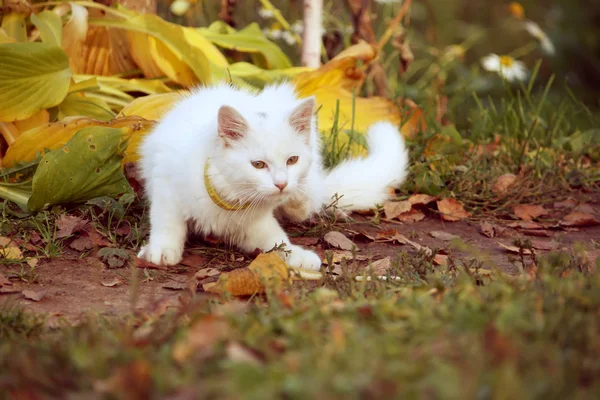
column 226, row 160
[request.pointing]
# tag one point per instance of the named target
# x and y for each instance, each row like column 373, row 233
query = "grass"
column 454, row 333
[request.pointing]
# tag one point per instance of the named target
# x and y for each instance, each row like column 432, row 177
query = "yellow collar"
column 214, row 196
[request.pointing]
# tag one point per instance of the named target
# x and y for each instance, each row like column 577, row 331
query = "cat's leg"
column 266, row 233
column 168, row 230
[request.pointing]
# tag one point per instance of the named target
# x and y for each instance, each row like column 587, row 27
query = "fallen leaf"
column 380, row 267
column 503, row 183
column 443, row 235
column 9, row 249
column 201, row 338
column 97, row 239
column 69, row 224
column 338, row 255
column 339, row 240
column 579, row 219
column 206, row 272
column 241, row 354
column 112, row 282
column 193, row 260
column 452, row 210
column 141, row 263
column 543, row 245
column 514, row 249
column 487, row 229
column 440, row 259
column 267, row 269
column 537, row 232
column 392, row 209
column 585, row 208
column 568, row 203
column 421, row 199
column 123, row 230
column 33, row 295
column 305, row 240
column 82, row 243
column 116, row 258
column 525, row 225
column 528, row 212
column 174, row 285
column 392, row 235
column 411, row 216
column 32, row 262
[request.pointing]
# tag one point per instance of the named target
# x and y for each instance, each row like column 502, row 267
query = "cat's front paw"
column 302, row 258
column 162, row 254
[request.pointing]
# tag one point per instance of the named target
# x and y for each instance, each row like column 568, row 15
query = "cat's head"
column 266, row 156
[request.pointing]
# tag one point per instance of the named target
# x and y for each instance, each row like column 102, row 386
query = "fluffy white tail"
column 364, row 182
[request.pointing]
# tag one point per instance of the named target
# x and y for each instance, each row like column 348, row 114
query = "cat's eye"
column 292, row 160
column 259, row 164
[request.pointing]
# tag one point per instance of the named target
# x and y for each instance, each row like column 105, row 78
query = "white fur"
column 173, row 157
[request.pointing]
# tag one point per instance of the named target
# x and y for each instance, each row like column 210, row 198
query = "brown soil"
column 73, row 286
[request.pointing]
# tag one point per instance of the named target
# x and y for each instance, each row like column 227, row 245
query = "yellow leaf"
column 152, row 107
column 78, row 104
column 14, row 26
column 55, row 135
column 50, row 27
column 139, row 47
column 34, row 76
column 170, row 64
column 8, row 249
column 40, row 118
column 259, row 77
column 9, row 132
column 266, row 270
column 4, row 38
column 74, row 34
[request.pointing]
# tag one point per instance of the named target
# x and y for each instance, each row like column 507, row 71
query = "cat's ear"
column 231, row 124
column 301, row 117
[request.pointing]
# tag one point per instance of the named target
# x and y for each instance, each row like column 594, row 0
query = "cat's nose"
column 281, row 186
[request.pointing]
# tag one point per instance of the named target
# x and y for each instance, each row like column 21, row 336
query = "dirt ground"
column 71, row 286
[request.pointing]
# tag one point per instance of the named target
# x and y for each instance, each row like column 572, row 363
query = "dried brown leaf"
column 528, row 212
column 575, row 219
column 338, row 255
column 69, row 224
column 392, row 209
column 33, row 295
column 3, row 280
column 487, row 229
column 440, row 259
column 585, row 208
column 525, row 225
column 380, row 267
column 193, row 260
column 537, row 232
column 201, row 338
column 111, row 282
column 446, row 236
column 568, row 203
column 452, row 210
column 421, row 199
column 339, row 240
column 241, row 354
column 503, row 183
column 514, row 249
column 412, row 216
column 9, row 249
column 82, row 243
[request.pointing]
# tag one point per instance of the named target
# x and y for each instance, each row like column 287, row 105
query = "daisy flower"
column 506, row 66
column 537, row 32
column 265, row 14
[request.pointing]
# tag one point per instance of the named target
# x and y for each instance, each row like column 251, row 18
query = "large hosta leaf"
column 247, row 40
column 88, row 166
column 55, row 135
column 50, row 27
column 33, row 76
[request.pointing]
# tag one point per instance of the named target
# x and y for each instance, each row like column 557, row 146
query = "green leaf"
column 248, row 40
column 18, row 193
column 259, row 77
column 88, row 166
column 14, row 26
column 33, row 76
column 78, row 104
column 50, row 26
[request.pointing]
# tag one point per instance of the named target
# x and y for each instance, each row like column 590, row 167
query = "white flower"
column 289, row 38
column 265, row 14
column 509, row 68
column 298, row 27
column 179, row 7
column 275, row 33
column 537, row 32
column 387, row 1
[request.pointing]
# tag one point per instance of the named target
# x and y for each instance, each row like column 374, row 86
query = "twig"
column 226, row 13
column 393, row 25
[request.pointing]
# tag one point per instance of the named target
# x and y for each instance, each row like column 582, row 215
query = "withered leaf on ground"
column 579, row 219
column 206, row 272
column 503, row 183
column 421, row 199
column 568, row 203
column 339, row 240
column 487, row 229
column 537, row 232
column 380, row 267
column 585, row 208
column 241, row 354
column 9, row 249
column 451, row 210
column 33, row 295
column 443, row 235
column 392, row 235
column 392, row 209
column 413, row 215
column 200, row 339
column 175, row 285
column 82, row 243
column 440, row 259
column 116, row 258
column 69, row 224
column 338, row 255
column 525, row 225
column 544, row 245
column 193, row 260
column 3, row 280
column 514, row 249
column 528, row 212
column 111, row 282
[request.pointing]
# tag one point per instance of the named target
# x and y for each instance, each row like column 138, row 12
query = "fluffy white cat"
column 228, row 160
